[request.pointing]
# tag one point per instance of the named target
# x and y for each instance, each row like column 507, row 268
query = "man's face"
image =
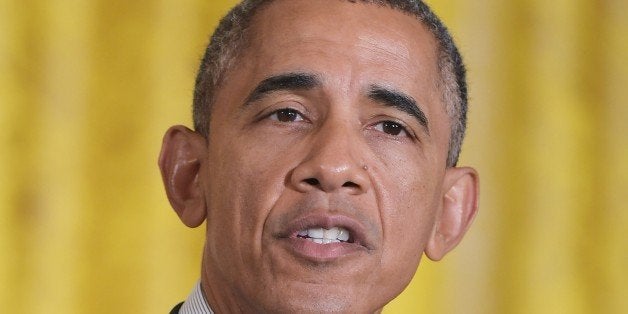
column 314, row 135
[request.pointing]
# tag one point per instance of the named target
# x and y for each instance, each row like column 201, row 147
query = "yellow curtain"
column 88, row 87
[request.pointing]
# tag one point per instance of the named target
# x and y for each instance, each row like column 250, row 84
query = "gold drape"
column 88, row 87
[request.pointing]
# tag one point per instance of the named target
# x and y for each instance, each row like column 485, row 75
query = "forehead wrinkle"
column 383, row 45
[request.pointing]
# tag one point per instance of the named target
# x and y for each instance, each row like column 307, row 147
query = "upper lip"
column 357, row 231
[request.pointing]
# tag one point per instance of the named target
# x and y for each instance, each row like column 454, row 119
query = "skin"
column 322, row 155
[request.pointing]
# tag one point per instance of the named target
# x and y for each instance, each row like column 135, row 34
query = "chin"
column 322, row 304
column 307, row 298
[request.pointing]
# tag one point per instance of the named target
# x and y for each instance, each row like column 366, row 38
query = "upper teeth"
column 324, row 236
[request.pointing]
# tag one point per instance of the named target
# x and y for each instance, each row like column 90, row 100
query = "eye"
column 286, row 115
column 392, row 128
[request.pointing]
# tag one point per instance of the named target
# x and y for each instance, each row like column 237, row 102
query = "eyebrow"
column 283, row 82
column 399, row 101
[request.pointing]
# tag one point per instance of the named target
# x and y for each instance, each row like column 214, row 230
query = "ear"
column 458, row 208
column 180, row 161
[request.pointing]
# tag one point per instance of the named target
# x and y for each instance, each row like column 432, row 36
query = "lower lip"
column 322, row 252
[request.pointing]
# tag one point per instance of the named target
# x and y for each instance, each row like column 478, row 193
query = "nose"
column 334, row 162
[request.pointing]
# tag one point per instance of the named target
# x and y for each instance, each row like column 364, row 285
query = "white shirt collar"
column 196, row 303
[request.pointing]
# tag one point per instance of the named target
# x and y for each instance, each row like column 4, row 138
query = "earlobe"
column 180, row 162
column 458, row 208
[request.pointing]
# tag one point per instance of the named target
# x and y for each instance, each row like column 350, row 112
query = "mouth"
column 325, row 238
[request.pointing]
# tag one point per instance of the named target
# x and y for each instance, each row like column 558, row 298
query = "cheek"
column 239, row 203
column 411, row 219
column 408, row 190
column 408, row 228
column 241, row 190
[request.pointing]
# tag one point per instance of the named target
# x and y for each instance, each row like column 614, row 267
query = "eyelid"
column 275, row 112
column 409, row 132
column 269, row 110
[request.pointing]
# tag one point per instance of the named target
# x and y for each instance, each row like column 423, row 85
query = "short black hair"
column 229, row 40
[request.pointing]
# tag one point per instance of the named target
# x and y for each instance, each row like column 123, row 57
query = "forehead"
column 307, row 33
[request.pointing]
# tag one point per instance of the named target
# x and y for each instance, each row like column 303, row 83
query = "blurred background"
column 87, row 89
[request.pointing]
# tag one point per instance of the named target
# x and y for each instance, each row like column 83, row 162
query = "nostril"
column 350, row 184
column 311, row 181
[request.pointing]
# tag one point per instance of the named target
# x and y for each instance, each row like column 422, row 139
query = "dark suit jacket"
column 175, row 310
